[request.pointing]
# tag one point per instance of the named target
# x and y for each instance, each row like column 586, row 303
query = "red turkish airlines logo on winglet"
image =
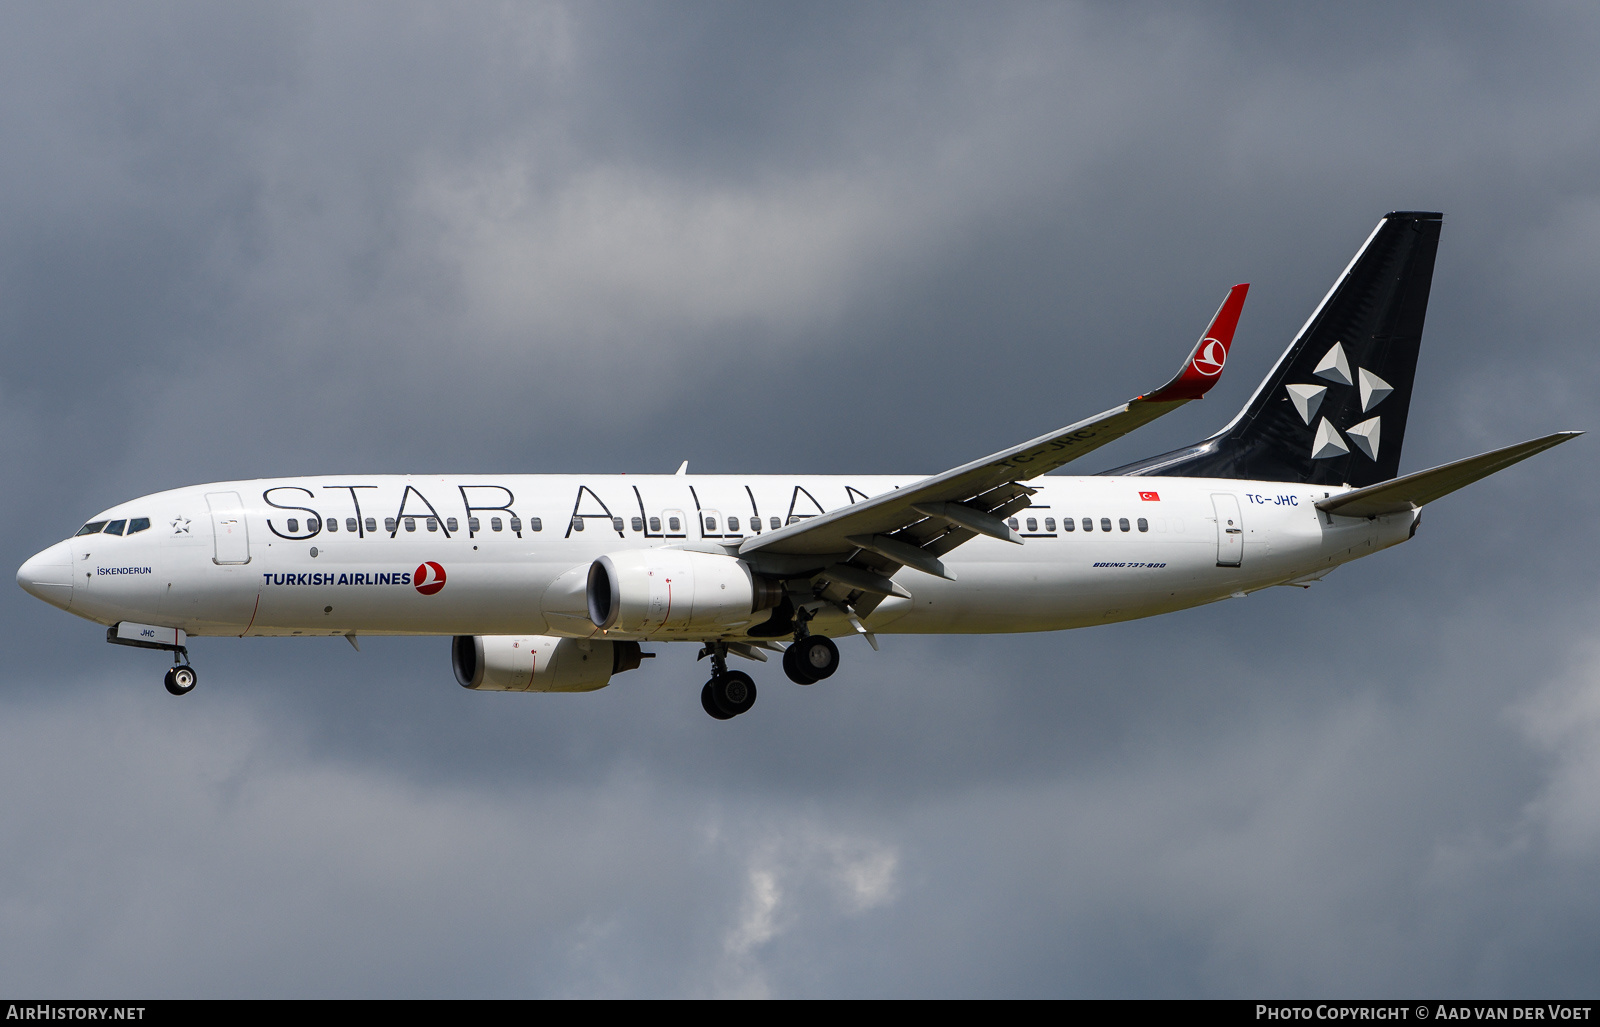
column 1209, row 357
column 428, row 578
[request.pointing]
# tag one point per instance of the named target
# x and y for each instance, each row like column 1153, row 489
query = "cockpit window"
column 115, row 527
column 138, row 524
column 92, row 528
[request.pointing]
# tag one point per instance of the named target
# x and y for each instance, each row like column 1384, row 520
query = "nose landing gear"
column 180, row 680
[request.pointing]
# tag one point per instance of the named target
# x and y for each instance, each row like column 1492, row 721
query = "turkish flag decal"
column 1150, row 497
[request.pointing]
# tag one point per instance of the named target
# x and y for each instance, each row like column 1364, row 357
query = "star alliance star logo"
column 1307, row 399
column 180, row 525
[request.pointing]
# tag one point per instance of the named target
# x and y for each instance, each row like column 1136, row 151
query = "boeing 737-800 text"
column 550, row 583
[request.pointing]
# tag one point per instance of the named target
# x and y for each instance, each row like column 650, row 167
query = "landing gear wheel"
column 710, row 704
column 792, row 667
column 180, row 680
column 815, row 656
column 733, row 693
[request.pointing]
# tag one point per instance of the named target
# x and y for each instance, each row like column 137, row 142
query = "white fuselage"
column 335, row 555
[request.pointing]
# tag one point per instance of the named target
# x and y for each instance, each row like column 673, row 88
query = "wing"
column 858, row 547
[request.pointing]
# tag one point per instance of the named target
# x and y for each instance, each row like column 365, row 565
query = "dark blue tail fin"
column 1333, row 409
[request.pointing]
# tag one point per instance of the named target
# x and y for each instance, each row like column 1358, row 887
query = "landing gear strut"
column 729, row 692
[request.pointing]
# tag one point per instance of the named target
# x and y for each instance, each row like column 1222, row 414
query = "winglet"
column 1204, row 366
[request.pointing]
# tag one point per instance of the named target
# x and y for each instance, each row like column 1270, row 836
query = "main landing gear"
column 812, row 657
column 729, row 692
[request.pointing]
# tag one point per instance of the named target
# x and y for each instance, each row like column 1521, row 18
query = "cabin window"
column 775, row 523
column 411, row 524
column 1068, row 524
column 673, row 524
column 516, row 524
column 1088, row 524
column 711, row 524
column 1105, row 524
column 495, row 524
column 138, row 524
column 92, row 528
column 1014, row 525
column 1049, row 524
column 655, row 524
column 294, row 524
column 450, row 524
column 577, row 524
column 616, row 525
column 534, row 524
column 391, row 525
column 1122, row 522
column 351, row 525
column 115, row 527
column 1144, row 525
column 333, row 524
column 372, row 525
column 637, row 524
column 474, row 525
column 794, row 519
column 433, row 524
column 313, row 524
column 1033, row 524
column 733, row 524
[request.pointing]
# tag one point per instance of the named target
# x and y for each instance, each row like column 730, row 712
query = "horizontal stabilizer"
column 1399, row 495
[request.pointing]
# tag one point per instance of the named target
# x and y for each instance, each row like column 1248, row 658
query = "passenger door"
column 228, row 528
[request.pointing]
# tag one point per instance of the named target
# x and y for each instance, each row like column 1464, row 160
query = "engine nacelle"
column 538, row 663
column 671, row 591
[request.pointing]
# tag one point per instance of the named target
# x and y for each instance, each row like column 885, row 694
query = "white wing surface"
column 914, row 526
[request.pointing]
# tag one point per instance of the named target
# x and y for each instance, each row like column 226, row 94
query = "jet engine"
column 539, row 663
column 646, row 591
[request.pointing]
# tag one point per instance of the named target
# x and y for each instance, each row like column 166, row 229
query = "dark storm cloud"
column 819, row 238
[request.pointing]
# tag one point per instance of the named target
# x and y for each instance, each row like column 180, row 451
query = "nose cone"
column 48, row 575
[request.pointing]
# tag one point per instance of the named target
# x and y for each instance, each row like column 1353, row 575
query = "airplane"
column 552, row 583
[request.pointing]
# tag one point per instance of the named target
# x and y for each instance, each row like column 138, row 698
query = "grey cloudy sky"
column 305, row 238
